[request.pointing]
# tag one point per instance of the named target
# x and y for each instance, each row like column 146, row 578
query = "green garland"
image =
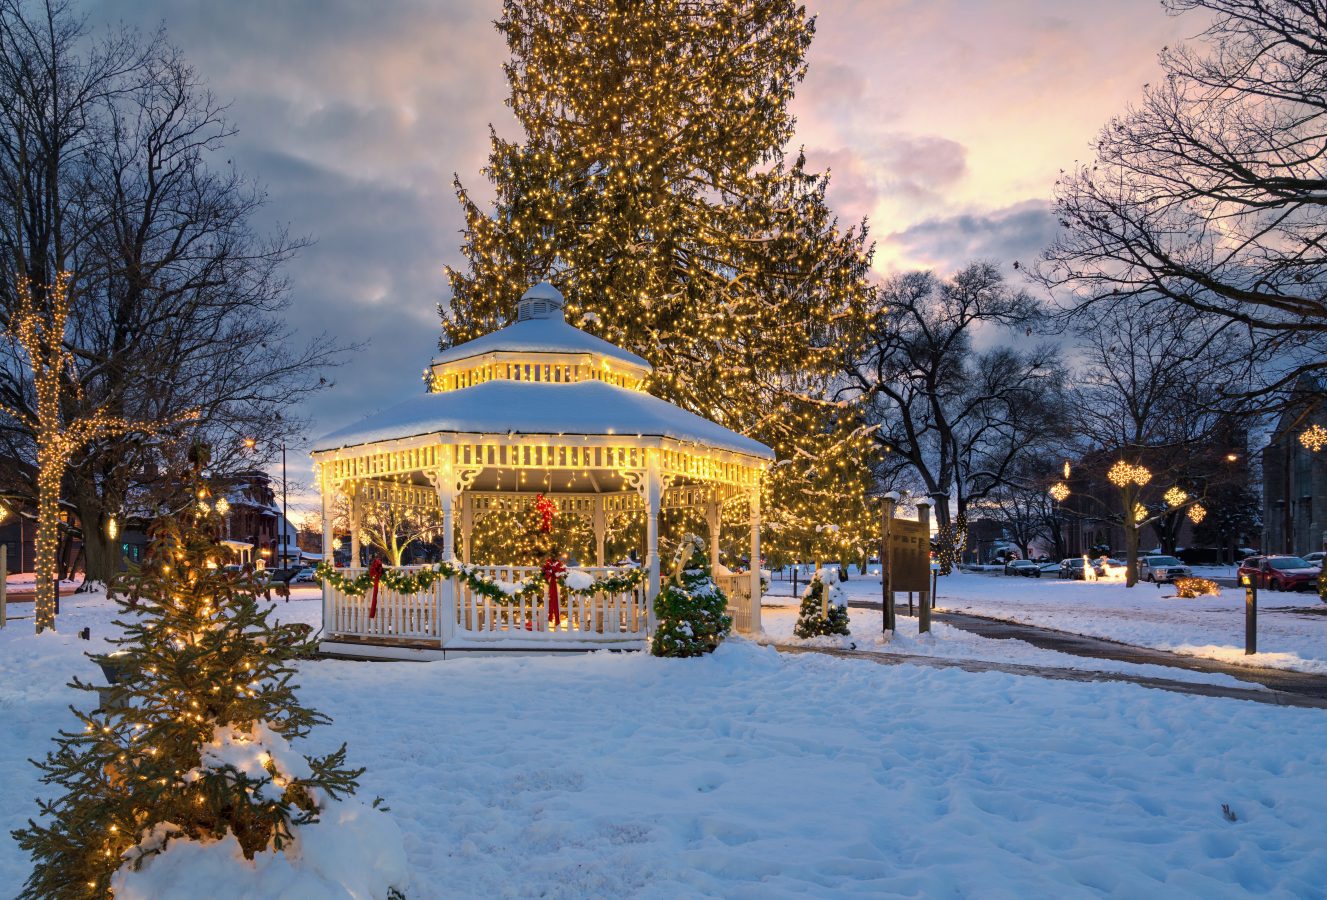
column 424, row 579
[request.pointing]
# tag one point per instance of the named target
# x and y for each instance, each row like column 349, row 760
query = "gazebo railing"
column 451, row 609
column 599, row 617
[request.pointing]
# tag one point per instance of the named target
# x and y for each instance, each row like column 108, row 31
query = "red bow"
column 375, row 572
column 552, row 569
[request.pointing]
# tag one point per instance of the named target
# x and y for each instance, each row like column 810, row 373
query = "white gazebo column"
column 600, row 528
column 653, row 500
column 445, row 484
column 714, row 520
column 467, row 525
column 754, row 618
column 326, row 488
column 355, row 513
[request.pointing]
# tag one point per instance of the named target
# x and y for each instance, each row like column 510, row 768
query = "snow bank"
column 353, row 851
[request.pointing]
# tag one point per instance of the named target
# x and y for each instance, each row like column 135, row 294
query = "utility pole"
column 285, row 519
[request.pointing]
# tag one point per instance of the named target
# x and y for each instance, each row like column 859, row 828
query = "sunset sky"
column 943, row 121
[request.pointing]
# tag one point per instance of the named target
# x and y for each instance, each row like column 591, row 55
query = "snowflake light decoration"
column 1197, row 513
column 1059, row 491
column 1139, row 512
column 1176, row 496
column 1314, row 438
column 1122, row 474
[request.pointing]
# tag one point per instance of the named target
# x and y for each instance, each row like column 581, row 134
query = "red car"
column 1280, row 573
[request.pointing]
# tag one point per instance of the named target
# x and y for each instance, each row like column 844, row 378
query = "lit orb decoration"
column 1067, row 470
column 1176, row 496
column 1197, row 513
column 112, row 528
column 1314, row 437
column 1060, row 491
column 1123, row 474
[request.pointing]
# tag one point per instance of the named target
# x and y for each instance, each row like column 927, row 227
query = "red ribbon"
column 552, row 569
column 375, row 572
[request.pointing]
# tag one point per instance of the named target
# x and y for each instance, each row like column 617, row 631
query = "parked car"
column 1280, row 573
column 1314, row 559
column 1099, row 565
column 1050, row 568
column 1024, row 567
column 1162, row 568
column 1074, row 568
column 304, row 575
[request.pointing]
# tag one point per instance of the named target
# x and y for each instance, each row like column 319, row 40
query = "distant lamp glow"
column 4, row 512
column 1060, row 491
column 1197, row 513
column 112, row 528
column 1176, row 496
column 1314, row 438
column 1066, row 470
column 1232, row 457
column 250, row 443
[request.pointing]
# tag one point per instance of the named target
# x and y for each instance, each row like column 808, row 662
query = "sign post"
column 924, row 597
column 887, row 600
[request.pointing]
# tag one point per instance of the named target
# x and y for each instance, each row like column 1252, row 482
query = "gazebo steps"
column 414, row 652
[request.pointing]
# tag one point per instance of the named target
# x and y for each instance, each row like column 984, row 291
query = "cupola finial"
column 543, row 301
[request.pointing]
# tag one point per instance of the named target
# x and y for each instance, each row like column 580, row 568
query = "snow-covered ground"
column 756, row 774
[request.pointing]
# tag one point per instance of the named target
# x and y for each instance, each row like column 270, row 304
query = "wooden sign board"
column 909, row 556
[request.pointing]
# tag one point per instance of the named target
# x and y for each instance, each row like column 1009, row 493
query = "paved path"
column 1272, row 697
column 1283, row 681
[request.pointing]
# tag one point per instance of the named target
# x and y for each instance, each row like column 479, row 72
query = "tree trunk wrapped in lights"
column 651, row 186
column 38, row 327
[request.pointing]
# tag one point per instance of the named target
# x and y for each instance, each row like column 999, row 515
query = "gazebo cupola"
column 537, row 407
column 539, row 346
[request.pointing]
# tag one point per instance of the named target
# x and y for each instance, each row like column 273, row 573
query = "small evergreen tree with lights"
column 192, row 742
column 690, row 608
column 824, row 607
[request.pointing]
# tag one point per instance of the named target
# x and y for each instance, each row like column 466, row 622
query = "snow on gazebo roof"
column 540, row 328
column 534, row 408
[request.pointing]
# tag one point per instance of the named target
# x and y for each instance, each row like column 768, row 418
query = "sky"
column 944, row 122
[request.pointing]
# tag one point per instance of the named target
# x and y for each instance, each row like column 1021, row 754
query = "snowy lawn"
column 1292, row 628
column 753, row 774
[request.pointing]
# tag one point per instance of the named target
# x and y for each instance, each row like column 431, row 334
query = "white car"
column 1162, row 568
column 1314, row 559
column 305, row 576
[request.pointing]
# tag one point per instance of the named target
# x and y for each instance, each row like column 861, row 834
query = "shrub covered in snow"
column 184, row 781
column 690, row 607
column 824, row 607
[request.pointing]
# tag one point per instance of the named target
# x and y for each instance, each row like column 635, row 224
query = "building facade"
column 1295, row 478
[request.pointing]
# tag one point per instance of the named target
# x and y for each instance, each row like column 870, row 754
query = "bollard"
column 1250, row 616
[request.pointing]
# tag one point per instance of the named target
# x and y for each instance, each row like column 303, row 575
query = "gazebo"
column 537, row 407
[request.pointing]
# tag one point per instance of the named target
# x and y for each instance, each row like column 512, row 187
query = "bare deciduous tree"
column 110, row 160
column 1210, row 194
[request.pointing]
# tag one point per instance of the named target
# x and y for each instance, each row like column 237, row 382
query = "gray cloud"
column 1015, row 233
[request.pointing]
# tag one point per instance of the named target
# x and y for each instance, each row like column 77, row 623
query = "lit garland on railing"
column 498, row 592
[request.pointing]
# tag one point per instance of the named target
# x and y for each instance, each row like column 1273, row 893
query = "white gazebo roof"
column 538, row 408
column 540, row 328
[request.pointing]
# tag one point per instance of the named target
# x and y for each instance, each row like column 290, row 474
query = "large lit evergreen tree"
column 651, row 185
